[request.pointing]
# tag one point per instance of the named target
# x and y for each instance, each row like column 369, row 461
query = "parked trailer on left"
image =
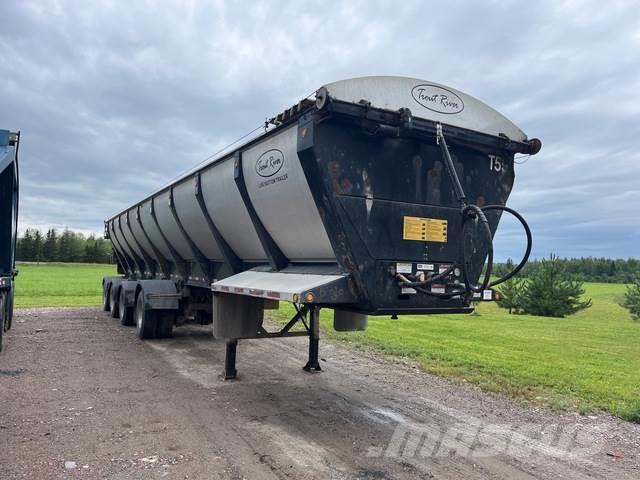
column 9, row 142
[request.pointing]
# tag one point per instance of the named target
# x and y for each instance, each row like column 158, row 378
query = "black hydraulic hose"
column 442, row 275
column 418, row 286
column 469, row 212
column 443, row 296
column 527, row 231
column 487, row 230
column 450, row 167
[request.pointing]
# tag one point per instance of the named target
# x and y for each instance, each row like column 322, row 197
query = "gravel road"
column 82, row 397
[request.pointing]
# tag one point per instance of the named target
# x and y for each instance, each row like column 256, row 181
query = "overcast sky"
column 115, row 98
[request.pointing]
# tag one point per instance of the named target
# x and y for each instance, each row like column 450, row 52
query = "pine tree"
column 90, row 250
column 612, row 269
column 550, row 292
column 37, row 246
column 511, row 290
column 19, row 249
column 64, row 246
column 50, row 246
column 632, row 299
column 77, row 247
column 104, row 251
column 26, row 246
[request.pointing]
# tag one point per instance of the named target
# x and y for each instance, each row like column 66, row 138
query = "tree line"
column 552, row 289
column 585, row 269
column 67, row 246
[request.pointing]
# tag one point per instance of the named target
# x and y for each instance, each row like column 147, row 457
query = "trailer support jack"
column 311, row 312
column 230, row 372
column 314, row 338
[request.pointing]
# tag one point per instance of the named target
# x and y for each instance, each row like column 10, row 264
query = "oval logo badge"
column 437, row 99
column 269, row 163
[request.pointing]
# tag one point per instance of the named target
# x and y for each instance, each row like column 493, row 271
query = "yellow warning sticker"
column 425, row 229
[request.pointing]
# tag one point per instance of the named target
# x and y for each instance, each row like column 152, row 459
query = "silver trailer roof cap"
column 428, row 100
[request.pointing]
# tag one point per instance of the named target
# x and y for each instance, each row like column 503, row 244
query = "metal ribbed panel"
column 152, row 230
column 193, row 219
column 128, row 235
column 120, row 238
column 140, row 236
column 227, row 211
column 116, row 242
column 169, row 227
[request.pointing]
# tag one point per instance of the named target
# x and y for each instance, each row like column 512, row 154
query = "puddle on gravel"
column 12, row 372
column 390, row 414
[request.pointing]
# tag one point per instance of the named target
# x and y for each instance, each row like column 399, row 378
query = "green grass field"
column 587, row 362
column 60, row 284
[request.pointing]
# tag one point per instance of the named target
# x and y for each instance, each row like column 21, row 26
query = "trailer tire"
column 146, row 320
column 165, row 320
column 125, row 313
column 106, row 291
column 114, row 301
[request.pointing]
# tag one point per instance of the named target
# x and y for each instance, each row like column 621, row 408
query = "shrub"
column 632, row 299
column 511, row 294
column 511, row 290
column 550, row 292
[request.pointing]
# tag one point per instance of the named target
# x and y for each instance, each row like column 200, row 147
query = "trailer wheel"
column 106, row 302
column 165, row 319
column 126, row 313
column 146, row 320
column 114, row 301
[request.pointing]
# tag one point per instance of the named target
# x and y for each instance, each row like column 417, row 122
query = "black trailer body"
column 9, row 143
column 380, row 197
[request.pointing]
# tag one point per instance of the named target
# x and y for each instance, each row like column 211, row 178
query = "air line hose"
column 468, row 212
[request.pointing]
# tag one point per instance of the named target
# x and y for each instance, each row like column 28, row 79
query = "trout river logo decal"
column 437, row 99
column 269, row 163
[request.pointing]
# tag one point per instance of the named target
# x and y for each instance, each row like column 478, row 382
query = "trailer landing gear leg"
column 230, row 372
column 314, row 338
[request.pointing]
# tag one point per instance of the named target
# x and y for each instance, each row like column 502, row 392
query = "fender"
column 159, row 294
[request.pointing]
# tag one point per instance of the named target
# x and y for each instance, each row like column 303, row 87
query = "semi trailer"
column 379, row 196
column 9, row 142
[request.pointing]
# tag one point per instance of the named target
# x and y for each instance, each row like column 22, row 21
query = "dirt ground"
column 82, row 397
